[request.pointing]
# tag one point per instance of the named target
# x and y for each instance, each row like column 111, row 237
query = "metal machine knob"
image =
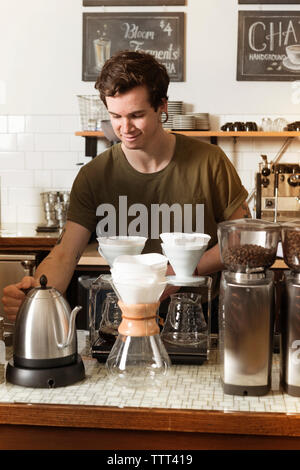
column 265, row 171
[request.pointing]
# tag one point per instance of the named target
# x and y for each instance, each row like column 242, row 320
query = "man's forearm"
column 210, row 262
column 58, row 269
column 61, row 262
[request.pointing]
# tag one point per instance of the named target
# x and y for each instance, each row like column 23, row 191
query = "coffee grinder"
column 246, row 305
column 290, row 309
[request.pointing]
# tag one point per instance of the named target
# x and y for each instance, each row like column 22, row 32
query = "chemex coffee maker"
column 104, row 312
column 246, row 305
column 290, row 311
column 138, row 356
column 277, row 191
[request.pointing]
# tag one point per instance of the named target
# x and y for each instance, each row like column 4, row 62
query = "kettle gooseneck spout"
column 72, row 329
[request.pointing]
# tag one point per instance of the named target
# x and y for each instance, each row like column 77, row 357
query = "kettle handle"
column 26, row 290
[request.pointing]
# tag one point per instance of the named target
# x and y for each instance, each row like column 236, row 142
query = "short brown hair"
column 128, row 69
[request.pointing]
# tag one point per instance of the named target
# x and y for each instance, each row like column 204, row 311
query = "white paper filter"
column 112, row 247
column 185, row 240
column 140, row 278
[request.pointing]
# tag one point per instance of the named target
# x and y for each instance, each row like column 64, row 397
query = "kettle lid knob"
column 43, row 281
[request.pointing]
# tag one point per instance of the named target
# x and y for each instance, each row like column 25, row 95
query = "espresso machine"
column 277, row 191
column 246, row 305
column 290, row 309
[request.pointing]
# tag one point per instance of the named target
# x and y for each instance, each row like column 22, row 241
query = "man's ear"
column 164, row 105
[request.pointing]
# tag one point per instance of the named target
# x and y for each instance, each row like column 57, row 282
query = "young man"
column 165, row 174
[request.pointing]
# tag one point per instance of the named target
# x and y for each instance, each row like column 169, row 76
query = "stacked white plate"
column 174, row 107
column 202, row 121
column 184, row 122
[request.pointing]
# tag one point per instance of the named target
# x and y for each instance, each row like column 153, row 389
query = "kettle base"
column 46, row 378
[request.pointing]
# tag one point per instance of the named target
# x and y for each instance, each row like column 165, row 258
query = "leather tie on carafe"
column 139, row 319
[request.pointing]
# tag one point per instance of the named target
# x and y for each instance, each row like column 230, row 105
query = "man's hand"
column 13, row 296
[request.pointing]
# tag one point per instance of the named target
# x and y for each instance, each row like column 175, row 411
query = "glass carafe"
column 185, row 325
column 111, row 317
column 98, row 291
column 138, row 357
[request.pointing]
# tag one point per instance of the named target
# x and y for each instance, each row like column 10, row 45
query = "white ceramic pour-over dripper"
column 184, row 252
column 112, row 247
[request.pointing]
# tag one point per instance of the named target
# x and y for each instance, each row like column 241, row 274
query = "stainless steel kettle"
column 45, row 329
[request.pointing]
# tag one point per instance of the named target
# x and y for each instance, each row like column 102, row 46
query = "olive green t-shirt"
column 198, row 189
column 198, row 174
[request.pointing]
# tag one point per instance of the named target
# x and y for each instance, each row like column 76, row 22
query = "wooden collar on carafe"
column 139, row 319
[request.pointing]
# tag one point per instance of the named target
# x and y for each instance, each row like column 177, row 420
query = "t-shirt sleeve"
column 229, row 193
column 82, row 208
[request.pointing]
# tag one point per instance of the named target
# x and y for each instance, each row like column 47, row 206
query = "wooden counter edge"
column 152, row 419
column 27, row 244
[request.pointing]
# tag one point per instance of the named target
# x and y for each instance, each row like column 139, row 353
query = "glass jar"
column 248, row 245
column 290, row 235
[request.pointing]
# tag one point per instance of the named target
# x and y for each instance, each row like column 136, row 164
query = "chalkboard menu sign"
column 159, row 34
column 269, row 45
column 93, row 3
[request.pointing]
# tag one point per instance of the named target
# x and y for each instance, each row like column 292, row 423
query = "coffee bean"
column 248, row 256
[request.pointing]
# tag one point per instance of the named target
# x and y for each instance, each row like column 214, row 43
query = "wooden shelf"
column 91, row 137
column 209, row 133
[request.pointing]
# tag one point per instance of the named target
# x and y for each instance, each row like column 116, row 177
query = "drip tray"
column 102, row 348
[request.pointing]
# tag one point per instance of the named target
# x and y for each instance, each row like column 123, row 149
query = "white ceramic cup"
column 293, row 53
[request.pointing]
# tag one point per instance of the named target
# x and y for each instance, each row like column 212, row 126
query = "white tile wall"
column 39, row 153
column 3, row 124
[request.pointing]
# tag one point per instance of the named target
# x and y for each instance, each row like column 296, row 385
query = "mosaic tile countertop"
column 187, row 387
